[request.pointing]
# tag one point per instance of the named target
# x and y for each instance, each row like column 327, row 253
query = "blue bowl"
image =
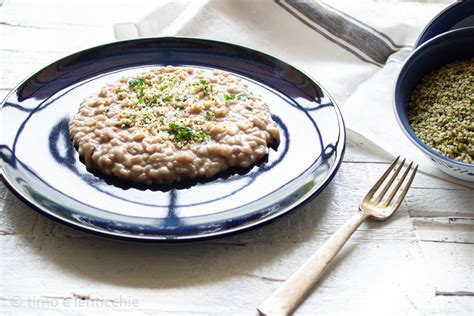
column 458, row 15
column 434, row 53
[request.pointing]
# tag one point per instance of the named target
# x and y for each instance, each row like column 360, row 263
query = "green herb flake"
column 200, row 135
column 180, row 132
column 168, row 98
column 229, row 96
column 136, row 82
column 209, row 114
column 151, row 102
column 183, row 98
column 202, row 81
column 242, row 97
column 185, row 133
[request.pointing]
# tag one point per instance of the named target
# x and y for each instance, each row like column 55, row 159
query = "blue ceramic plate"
column 40, row 164
column 458, row 15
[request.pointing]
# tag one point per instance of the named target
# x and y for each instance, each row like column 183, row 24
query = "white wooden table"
column 419, row 262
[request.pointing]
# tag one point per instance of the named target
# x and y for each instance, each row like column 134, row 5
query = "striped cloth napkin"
column 353, row 48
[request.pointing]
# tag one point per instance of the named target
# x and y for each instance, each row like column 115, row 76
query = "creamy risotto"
column 173, row 123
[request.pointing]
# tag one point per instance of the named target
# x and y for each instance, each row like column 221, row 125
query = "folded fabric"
column 353, row 48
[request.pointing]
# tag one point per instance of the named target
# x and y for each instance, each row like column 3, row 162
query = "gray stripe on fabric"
column 332, row 39
column 367, row 42
column 372, row 29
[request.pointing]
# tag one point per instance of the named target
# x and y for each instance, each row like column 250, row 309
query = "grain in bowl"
column 173, row 123
column 441, row 110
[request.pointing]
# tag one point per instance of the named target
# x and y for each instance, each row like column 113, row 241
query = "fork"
column 287, row 298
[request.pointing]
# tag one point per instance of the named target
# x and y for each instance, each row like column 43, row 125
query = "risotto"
column 173, row 123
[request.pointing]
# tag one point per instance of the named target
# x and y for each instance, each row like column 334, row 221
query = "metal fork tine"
column 405, row 188
column 371, row 192
column 397, row 186
column 389, row 183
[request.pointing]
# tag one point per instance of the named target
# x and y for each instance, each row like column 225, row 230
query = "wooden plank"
column 3, row 93
column 418, row 262
column 54, row 40
column 430, row 201
column 73, row 14
column 19, row 64
column 41, row 47
column 453, row 229
column 450, row 266
column 161, row 279
column 254, row 259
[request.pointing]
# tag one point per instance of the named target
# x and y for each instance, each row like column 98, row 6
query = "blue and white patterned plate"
column 40, row 164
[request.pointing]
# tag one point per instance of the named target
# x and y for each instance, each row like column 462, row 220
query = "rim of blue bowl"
column 455, row 8
column 405, row 125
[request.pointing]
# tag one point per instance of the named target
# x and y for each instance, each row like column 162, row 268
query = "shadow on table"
column 169, row 265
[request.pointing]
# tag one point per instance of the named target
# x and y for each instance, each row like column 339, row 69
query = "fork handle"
column 289, row 295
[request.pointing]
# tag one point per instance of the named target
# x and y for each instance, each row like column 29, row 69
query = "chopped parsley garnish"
column 151, row 102
column 161, row 106
column 229, row 96
column 209, row 114
column 200, row 135
column 168, row 98
column 136, row 82
column 183, row 98
column 180, row 132
column 204, row 87
column 242, row 96
column 185, row 133
column 137, row 85
column 141, row 92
